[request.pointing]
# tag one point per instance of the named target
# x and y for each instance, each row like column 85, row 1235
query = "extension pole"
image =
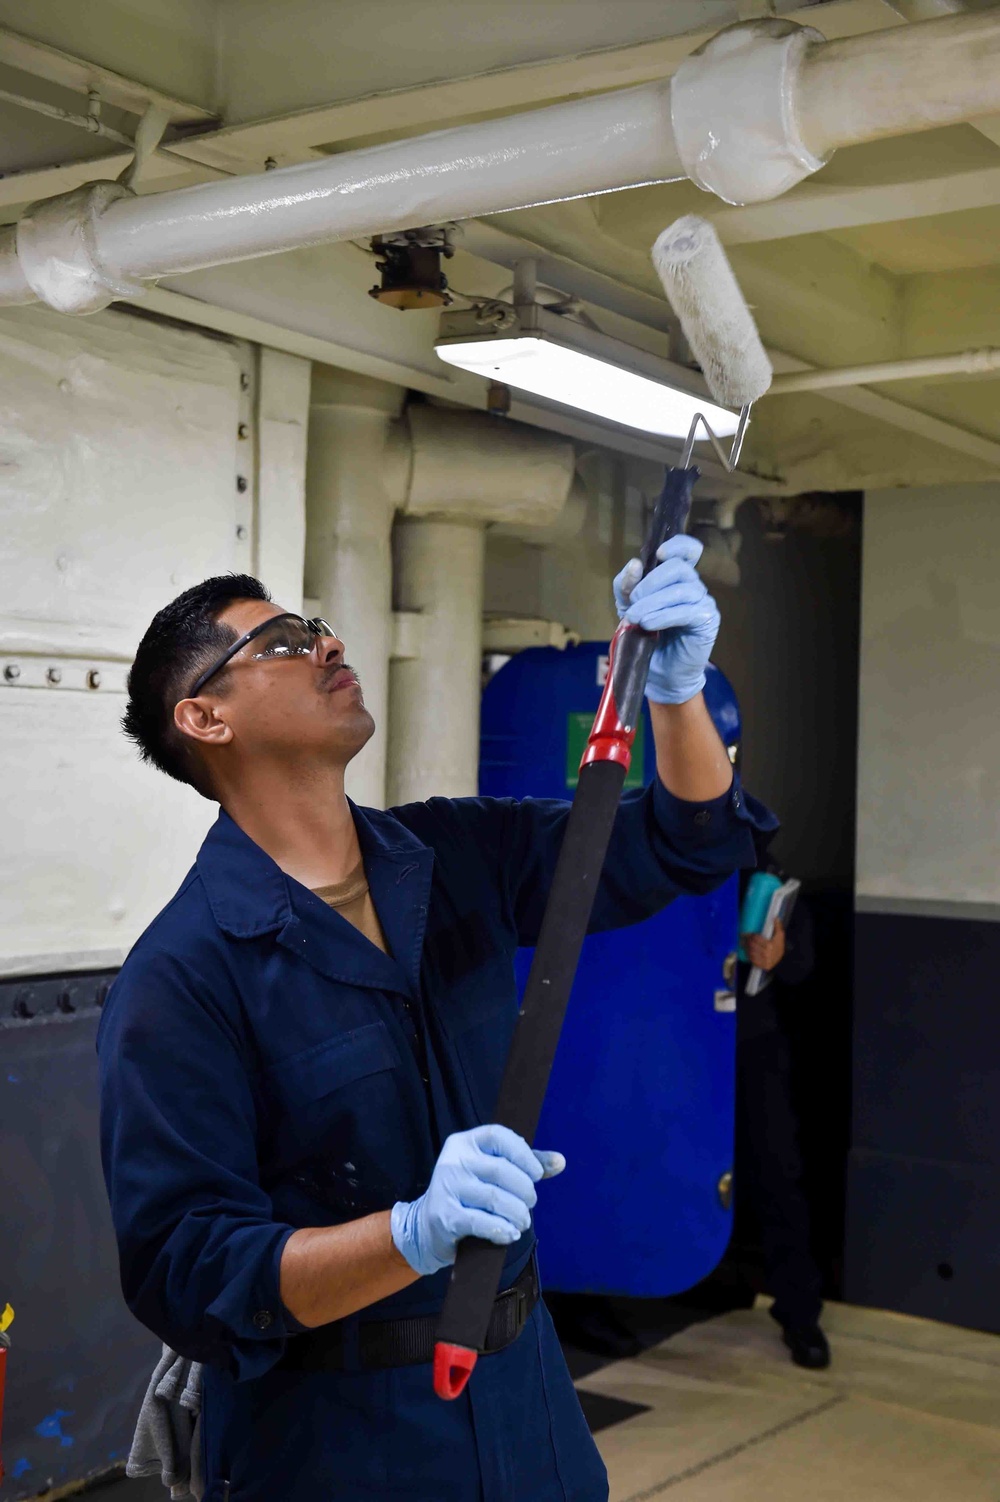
column 476, row 1274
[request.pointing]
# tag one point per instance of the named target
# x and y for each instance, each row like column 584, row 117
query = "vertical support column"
column 348, row 547
column 434, row 699
column 282, row 427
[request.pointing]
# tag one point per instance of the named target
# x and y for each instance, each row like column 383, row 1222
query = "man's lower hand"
column 483, row 1185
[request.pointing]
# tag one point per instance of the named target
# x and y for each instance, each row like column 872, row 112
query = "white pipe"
column 434, row 699
column 896, row 82
column 970, row 362
column 570, row 150
column 348, row 554
column 14, row 288
column 747, row 116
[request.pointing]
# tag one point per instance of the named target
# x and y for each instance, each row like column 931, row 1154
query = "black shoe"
column 808, row 1345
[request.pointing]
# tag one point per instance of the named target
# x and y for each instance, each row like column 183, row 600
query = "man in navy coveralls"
column 300, row 1058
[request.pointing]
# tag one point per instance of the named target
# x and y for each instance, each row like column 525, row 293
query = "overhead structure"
column 757, row 109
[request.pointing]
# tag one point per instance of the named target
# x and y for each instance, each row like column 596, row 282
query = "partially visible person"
column 768, row 1167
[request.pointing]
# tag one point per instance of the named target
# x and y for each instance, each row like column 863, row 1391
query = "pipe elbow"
column 57, row 252
column 733, row 107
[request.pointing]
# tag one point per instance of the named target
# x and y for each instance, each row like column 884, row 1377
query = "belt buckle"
column 503, row 1302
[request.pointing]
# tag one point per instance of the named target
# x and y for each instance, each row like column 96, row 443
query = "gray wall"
column 928, row 814
column 922, row 1213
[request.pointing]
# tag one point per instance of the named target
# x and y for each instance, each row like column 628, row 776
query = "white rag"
column 167, row 1440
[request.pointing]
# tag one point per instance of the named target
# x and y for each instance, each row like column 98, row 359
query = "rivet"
column 269, row 164
column 54, row 675
column 241, row 483
column 243, row 431
column 241, row 533
column 12, row 672
column 93, row 679
column 65, row 1002
column 21, row 1006
column 244, row 381
column 724, row 1189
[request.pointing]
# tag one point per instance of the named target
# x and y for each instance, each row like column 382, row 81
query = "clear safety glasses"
column 282, row 636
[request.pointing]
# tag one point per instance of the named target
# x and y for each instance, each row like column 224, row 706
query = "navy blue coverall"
column 265, row 1067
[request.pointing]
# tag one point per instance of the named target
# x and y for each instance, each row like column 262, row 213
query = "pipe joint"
column 733, row 110
column 57, row 249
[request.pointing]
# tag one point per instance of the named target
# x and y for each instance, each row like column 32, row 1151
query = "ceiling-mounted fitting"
column 498, row 399
column 411, row 267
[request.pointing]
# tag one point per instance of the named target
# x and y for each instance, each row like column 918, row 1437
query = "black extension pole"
column 479, row 1264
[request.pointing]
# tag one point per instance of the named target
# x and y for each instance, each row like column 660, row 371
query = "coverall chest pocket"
column 476, row 1001
column 333, row 1111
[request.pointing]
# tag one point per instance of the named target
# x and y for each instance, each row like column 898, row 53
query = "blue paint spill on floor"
column 51, row 1426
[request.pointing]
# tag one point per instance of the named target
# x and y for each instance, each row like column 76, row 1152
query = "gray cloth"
column 167, row 1440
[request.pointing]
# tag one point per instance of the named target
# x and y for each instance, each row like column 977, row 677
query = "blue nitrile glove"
column 483, row 1185
column 672, row 600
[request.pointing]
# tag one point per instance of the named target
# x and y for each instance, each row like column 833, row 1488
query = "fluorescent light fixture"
column 547, row 356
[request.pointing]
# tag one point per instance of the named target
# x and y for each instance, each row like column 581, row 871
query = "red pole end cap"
column 453, row 1367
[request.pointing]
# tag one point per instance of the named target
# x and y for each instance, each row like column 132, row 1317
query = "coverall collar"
column 250, row 895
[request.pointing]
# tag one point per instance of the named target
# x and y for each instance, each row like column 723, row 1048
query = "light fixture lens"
column 593, row 385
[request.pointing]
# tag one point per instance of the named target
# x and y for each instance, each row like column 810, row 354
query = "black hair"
column 181, row 642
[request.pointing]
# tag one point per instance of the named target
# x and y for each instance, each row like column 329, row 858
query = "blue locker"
column 641, row 1097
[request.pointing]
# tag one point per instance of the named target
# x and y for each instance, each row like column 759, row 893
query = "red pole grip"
column 3, row 1380
column 453, row 1366
column 610, row 738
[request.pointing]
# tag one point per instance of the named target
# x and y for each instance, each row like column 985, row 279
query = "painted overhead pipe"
column 971, row 362
column 750, row 114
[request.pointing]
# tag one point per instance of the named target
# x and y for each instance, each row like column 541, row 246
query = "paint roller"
column 719, row 328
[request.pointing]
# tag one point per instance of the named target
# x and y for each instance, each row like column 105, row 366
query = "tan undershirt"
column 353, row 901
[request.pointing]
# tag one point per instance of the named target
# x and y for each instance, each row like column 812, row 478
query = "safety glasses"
column 282, row 636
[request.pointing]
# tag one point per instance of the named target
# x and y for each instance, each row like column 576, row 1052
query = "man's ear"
column 200, row 721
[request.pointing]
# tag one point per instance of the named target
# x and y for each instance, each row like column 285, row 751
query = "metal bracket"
column 728, row 461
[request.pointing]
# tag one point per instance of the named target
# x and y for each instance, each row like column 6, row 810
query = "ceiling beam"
column 76, row 73
column 815, row 209
column 910, row 419
column 897, row 414
column 468, row 391
column 296, row 136
column 18, row 189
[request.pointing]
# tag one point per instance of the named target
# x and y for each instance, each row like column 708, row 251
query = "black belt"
column 406, row 1342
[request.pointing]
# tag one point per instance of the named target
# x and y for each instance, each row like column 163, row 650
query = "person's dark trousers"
column 769, row 1177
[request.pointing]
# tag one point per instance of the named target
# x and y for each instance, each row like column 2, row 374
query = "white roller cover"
column 705, row 295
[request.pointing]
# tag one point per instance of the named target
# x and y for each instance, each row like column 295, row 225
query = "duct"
column 811, row 96
column 434, row 698
column 452, row 474
column 566, row 526
column 717, row 531
column 348, row 553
